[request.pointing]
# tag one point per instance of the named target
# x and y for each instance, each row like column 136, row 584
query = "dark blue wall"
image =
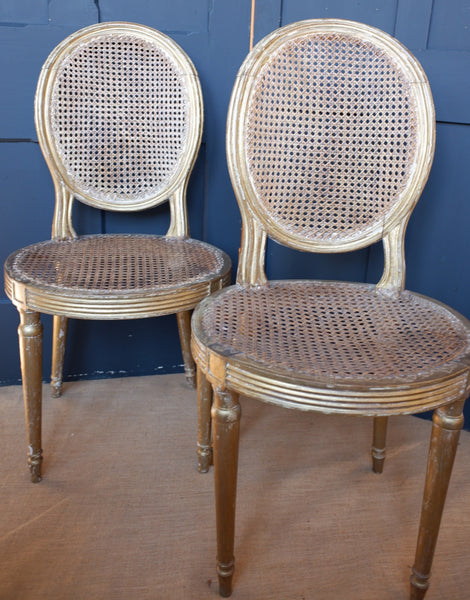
column 215, row 34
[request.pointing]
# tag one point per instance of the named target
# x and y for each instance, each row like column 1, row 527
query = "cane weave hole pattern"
column 119, row 118
column 330, row 136
column 336, row 330
column 116, row 263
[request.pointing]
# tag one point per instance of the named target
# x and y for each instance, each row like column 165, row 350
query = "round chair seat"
column 332, row 346
column 114, row 276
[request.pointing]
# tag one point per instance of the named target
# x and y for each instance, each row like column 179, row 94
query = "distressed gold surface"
column 184, row 330
column 59, row 340
column 30, row 338
column 204, row 403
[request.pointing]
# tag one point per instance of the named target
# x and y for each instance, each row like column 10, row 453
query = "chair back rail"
column 118, row 112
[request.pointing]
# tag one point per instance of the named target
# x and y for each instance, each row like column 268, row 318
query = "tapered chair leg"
column 378, row 444
column 59, row 339
column 447, row 423
column 204, row 405
column 30, row 339
column 184, row 329
column 226, row 414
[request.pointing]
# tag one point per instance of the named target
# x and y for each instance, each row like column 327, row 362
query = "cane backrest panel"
column 118, row 113
column 330, row 135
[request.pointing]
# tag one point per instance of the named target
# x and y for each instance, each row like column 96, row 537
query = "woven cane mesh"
column 116, row 263
column 335, row 330
column 330, row 136
column 119, row 118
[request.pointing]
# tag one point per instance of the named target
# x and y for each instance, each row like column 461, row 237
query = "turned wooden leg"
column 204, row 405
column 226, row 414
column 59, row 339
column 378, row 444
column 30, row 338
column 184, row 329
column 447, row 423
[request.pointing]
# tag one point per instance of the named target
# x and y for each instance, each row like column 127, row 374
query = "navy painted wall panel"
column 449, row 26
column 378, row 13
column 437, row 32
column 438, row 234
column 286, row 263
column 44, row 12
column 31, row 29
column 77, row 14
column 27, row 12
column 98, row 349
column 23, row 50
column 268, row 17
column 447, row 73
column 412, row 23
column 175, row 16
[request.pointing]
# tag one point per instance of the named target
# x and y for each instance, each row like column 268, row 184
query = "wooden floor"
column 122, row 512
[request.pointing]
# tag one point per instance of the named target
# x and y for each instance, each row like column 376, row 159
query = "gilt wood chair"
column 330, row 140
column 119, row 118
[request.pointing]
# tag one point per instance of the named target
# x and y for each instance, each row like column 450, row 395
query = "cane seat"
column 376, row 348
column 115, row 276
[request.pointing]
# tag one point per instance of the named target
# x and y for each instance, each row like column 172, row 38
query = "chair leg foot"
column 204, row 459
column 35, row 463
column 378, row 444
column 419, row 585
column 225, row 573
column 56, row 389
column 190, row 378
column 378, row 463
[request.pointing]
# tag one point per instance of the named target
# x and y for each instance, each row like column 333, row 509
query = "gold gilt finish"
column 119, row 119
column 330, row 139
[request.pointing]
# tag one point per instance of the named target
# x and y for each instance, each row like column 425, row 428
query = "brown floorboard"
column 122, row 512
